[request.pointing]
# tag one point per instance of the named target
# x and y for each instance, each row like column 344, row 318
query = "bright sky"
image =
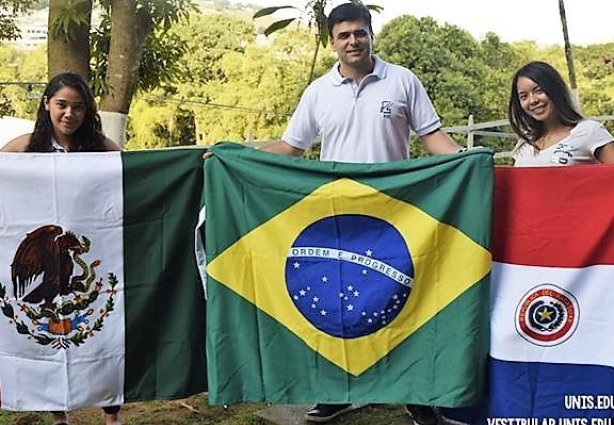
column 588, row 21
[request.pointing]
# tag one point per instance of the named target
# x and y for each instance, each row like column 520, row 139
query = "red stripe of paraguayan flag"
column 570, row 238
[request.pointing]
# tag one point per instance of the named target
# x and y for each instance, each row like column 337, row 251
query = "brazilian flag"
column 335, row 282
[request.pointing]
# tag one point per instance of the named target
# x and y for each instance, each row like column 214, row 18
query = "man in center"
column 363, row 110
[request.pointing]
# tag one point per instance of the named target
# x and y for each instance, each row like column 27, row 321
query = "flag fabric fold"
column 336, row 282
column 552, row 321
column 100, row 297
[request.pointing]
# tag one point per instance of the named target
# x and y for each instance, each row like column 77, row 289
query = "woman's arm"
column 605, row 154
column 18, row 144
column 110, row 145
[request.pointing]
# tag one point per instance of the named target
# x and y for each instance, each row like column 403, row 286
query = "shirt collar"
column 57, row 147
column 379, row 72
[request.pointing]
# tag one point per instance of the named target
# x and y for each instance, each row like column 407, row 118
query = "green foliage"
column 159, row 63
column 9, row 10
column 67, row 18
column 25, row 68
column 156, row 125
column 6, row 106
column 265, row 83
column 161, row 14
column 595, row 80
column 443, row 57
column 462, row 76
column 235, row 88
column 208, row 39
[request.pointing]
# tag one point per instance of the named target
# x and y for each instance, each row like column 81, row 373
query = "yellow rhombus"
column 446, row 264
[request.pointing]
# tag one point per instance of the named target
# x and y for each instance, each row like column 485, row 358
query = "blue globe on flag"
column 349, row 275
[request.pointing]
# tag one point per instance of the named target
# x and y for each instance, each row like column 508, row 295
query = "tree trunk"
column 314, row 60
column 129, row 31
column 69, row 51
column 569, row 57
column 123, row 61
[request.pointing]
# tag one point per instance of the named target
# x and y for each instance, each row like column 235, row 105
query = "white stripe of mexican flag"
column 100, row 295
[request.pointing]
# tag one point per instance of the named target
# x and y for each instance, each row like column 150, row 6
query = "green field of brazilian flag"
column 339, row 282
column 326, row 282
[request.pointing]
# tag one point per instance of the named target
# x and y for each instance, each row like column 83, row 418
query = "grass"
column 196, row 411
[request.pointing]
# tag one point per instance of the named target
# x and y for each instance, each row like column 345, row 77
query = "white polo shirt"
column 365, row 123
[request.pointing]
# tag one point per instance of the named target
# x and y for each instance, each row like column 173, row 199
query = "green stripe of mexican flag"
column 100, row 298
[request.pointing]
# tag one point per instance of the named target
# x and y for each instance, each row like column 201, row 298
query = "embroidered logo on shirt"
column 386, row 109
column 562, row 154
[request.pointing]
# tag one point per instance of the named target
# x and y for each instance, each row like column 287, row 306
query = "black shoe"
column 422, row 415
column 325, row 412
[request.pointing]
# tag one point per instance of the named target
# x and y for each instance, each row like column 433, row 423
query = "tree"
column 236, row 89
column 502, row 61
column 262, row 87
column 569, row 56
column 462, row 76
column 445, row 58
column 129, row 26
column 314, row 13
column 208, row 38
column 68, row 41
column 21, row 71
column 9, row 10
column 165, row 110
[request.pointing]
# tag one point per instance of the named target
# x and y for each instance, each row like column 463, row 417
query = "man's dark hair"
column 349, row 12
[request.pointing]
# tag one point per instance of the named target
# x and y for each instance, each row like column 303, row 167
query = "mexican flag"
column 100, row 297
column 337, row 283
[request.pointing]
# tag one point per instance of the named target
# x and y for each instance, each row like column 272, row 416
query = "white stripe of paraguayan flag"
column 591, row 343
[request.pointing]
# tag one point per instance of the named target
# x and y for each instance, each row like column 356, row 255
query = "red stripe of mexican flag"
column 125, row 307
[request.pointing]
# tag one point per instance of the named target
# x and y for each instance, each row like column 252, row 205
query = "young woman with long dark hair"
column 551, row 131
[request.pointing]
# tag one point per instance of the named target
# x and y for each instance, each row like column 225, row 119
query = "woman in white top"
column 67, row 120
column 551, row 131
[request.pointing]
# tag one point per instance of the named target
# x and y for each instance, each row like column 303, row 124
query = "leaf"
column 68, row 17
column 324, row 37
column 321, row 21
column 375, row 8
column 8, row 311
column 43, row 339
column 270, row 10
column 276, row 26
column 78, row 339
column 22, row 328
